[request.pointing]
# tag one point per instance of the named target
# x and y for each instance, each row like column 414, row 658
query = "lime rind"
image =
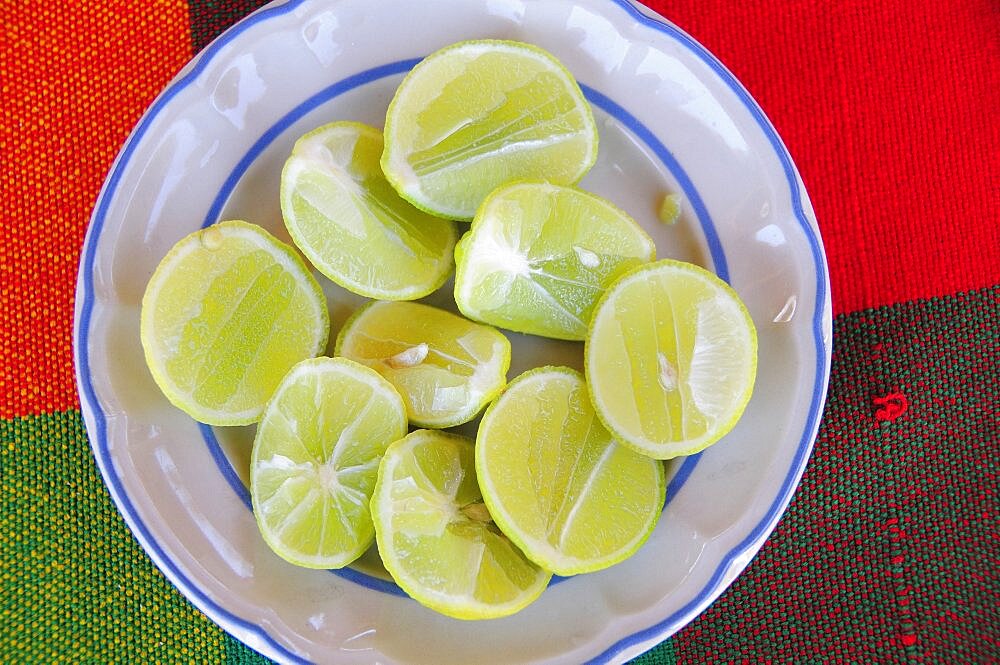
column 660, row 449
column 481, row 388
column 439, row 579
column 340, row 160
column 158, row 349
column 479, row 249
column 303, row 459
column 524, row 528
column 396, row 166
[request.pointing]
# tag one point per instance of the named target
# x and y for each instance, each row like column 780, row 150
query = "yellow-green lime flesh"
column 226, row 314
column 436, row 537
column 446, row 367
column 315, row 460
column 555, row 480
column 671, row 359
column 481, row 113
column 539, row 256
column 353, row 226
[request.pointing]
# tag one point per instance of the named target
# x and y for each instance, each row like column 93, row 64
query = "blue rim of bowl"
column 601, row 101
column 90, row 404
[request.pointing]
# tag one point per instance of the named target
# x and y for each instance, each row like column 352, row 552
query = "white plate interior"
column 671, row 119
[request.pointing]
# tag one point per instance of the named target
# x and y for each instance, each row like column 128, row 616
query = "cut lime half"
column 436, row 537
column 350, row 223
column 477, row 114
column 315, row 460
column 671, row 359
column 539, row 256
column 446, row 367
column 226, row 314
column 556, row 481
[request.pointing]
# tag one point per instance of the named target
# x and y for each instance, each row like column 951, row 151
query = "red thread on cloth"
column 906, row 636
column 891, row 406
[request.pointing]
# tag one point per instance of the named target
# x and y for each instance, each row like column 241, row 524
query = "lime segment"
column 447, row 368
column 539, row 256
column 349, row 222
column 477, row 114
column 315, row 460
column 670, row 208
column 671, row 359
column 226, row 314
column 555, row 480
column 436, row 538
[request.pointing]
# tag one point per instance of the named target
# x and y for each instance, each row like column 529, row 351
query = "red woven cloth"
column 889, row 551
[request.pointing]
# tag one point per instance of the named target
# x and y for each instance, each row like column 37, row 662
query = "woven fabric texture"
column 74, row 82
column 891, row 538
column 74, row 584
column 889, row 550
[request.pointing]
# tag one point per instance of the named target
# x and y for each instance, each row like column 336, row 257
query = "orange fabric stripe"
column 75, row 78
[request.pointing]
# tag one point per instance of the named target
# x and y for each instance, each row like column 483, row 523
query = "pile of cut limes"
column 565, row 475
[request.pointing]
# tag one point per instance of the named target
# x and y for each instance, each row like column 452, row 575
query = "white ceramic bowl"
column 671, row 119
